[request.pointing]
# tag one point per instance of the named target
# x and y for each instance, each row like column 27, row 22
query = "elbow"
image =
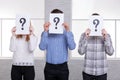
column 31, row 49
column 80, row 52
column 12, row 50
column 41, row 47
column 110, row 52
column 72, row 47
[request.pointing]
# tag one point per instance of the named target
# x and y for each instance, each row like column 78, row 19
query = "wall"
column 63, row 5
column 9, row 8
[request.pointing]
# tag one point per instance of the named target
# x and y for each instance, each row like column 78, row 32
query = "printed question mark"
column 22, row 21
column 96, row 23
column 56, row 20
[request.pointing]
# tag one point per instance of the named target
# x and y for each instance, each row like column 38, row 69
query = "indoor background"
column 77, row 13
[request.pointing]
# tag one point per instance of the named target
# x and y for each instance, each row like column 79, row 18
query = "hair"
column 56, row 11
column 27, row 37
column 95, row 14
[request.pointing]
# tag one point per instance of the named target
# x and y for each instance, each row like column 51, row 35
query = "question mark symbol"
column 96, row 23
column 22, row 21
column 56, row 20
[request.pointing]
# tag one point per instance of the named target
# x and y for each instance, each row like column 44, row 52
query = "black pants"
column 25, row 72
column 56, row 71
column 92, row 77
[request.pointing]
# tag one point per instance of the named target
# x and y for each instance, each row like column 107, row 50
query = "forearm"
column 82, row 45
column 70, row 40
column 108, row 45
column 12, row 46
column 43, row 41
column 32, row 42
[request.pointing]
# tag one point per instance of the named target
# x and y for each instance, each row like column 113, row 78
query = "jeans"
column 92, row 77
column 56, row 71
column 25, row 72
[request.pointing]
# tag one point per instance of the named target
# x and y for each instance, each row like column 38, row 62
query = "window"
column 6, row 34
column 118, row 39
column 78, row 27
column 38, row 26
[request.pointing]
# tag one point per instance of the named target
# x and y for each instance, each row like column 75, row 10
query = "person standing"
column 56, row 46
column 23, row 47
column 96, row 49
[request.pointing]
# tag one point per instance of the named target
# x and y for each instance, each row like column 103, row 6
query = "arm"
column 69, row 37
column 12, row 46
column 44, row 39
column 82, row 44
column 70, row 40
column 82, row 48
column 44, row 36
column 32, row 42
column 108, row 45
column 33, row 39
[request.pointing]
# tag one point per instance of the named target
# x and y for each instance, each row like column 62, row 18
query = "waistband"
column 56, row 64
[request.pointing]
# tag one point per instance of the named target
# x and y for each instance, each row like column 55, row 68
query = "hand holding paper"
column 46, row 26
column 13, row 31
column 96, row 24
column 22, row 24
column 56, row 21
column 104, row 33
column 87, row 32
column 66, row 26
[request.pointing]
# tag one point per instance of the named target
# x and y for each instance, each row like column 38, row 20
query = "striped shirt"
column 56, row 46
column 95, row 49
